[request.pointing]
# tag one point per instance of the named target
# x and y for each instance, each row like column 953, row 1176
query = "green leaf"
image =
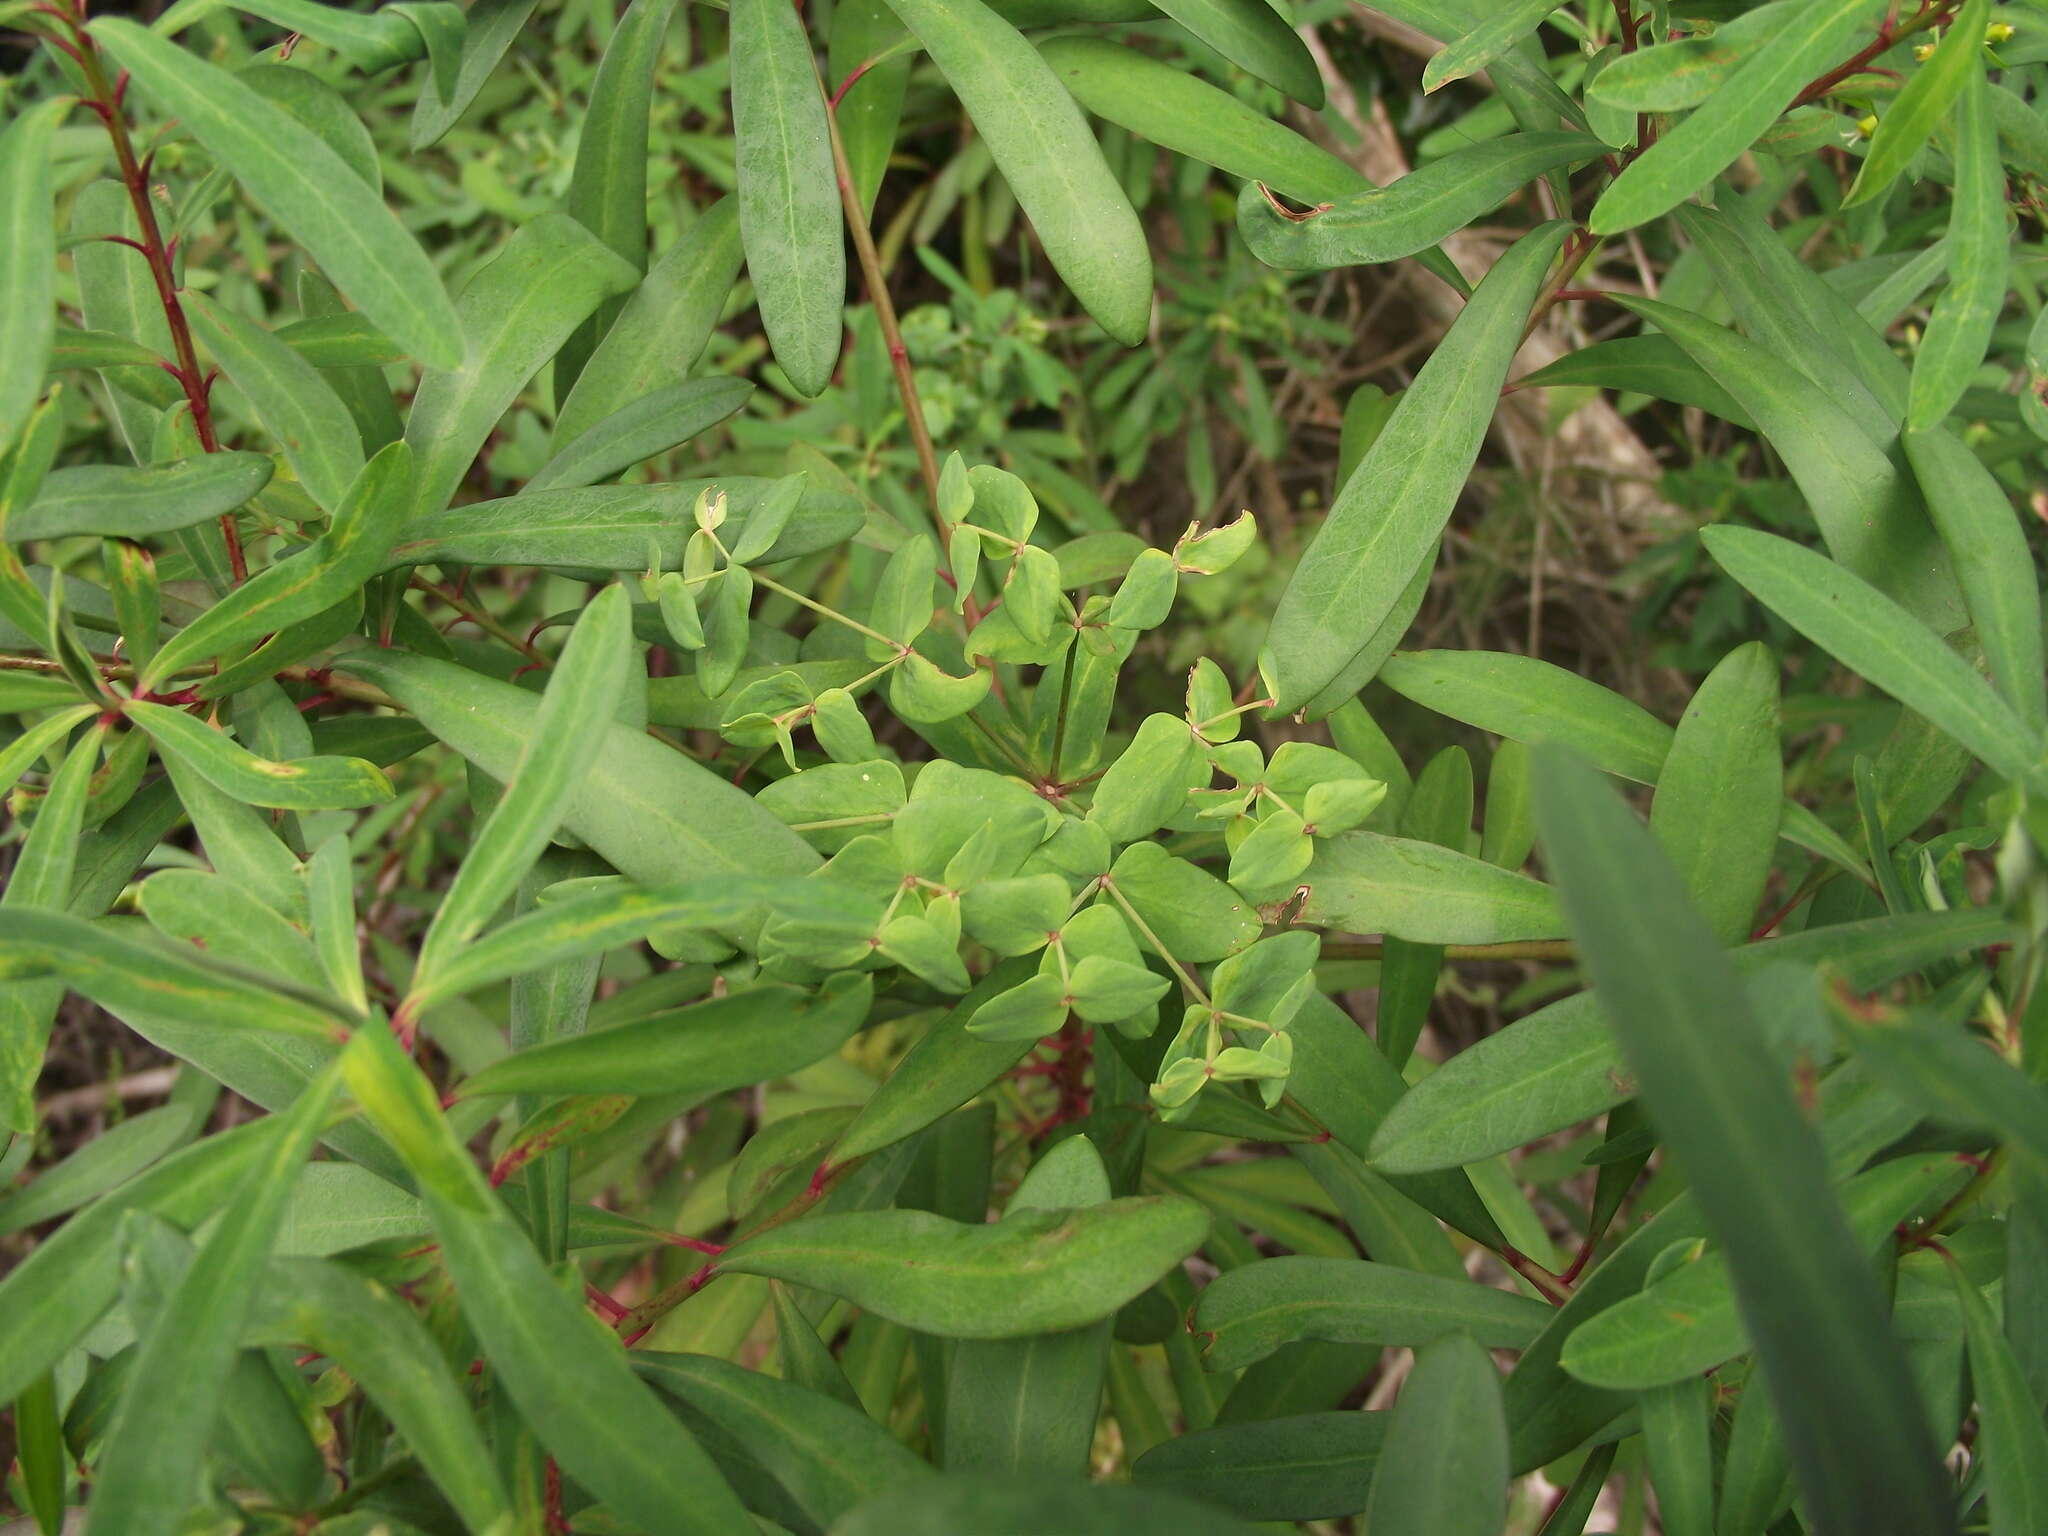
column 924, row 694
column 1693, row 152
column 655, row 423
column 1392, row 510
column 113, row 1157
column 1979, row 253
column 1310, row 1466
column 296, row 405
column 387, row 1351
column 1030, row 1404
column 652, row 812
column 366, row 520
column 1186, row 114
column 1444, row 1463
column 1256, row 38
column 1992, row 562
column 28, row 261
column 582, row 696
column 760, row 1035
column 1873, row 636
column 304, row 784
column 1032, row 1272
column 1193, row 915
column 308, row 188
column 1247, row 1313
column 1647, row 365
column 1147, row 786
column 608, row 186
column 1911, row 119
column 230, row 924
column 132, row 503
column 824, row 1457
column 1050, row 160
column 514, row 316
column 1677, row 1423
column 491, row 27
column 1559, row 1065
column 585, row 1405
column 996, row 1506
column 1715, row 812
column 1501, row 30
column 70, row 1278
column 1866, row 508
column 1685, row 1321
column 790, row 219
column 2012, row 1439
column 1409, row 215
column 1860, row 1447
column 1366, row 882
column 158, row 1441
column 1670, row 77
column 610, row 527
column 661, row 330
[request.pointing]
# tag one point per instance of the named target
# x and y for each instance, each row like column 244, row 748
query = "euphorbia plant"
column 863, row 1072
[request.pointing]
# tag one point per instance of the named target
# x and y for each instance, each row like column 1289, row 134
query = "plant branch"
column 105, row 103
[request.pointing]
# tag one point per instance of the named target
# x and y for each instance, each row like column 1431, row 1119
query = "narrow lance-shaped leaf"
column 653, row 424
column 1868, row 513
column 1807, row 41
column 659, row 333
column 758, row 1035
column 608, row 187
column 293, row 401
column 1979, row 252
column 1993, row 565
column 2012, row 1439
column 790, row 218
column 1716, row 809
column 366, row 521
column 1042, row 145
column 305, row 784
column 1257, row 38
column 1501, row 29
column 1443, row 1466
column 1258, row 1308
column 28, row 262
column 583, row 694
column 1408, row 215
column 304, row 184
column 1911, row 119
column 1186, row 114
column 158, row 1441
column 584, row 1405
column 1394, row 506
column 41, row 878
column 1035, row 1272
column 1873, row 636
column 1860, row 1446
column 514, row 316
column 131, row 503
column 651, row 811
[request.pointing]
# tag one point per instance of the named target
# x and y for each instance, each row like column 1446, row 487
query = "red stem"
column 105, row 101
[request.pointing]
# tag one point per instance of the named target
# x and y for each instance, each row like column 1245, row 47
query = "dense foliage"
column 630, row 656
